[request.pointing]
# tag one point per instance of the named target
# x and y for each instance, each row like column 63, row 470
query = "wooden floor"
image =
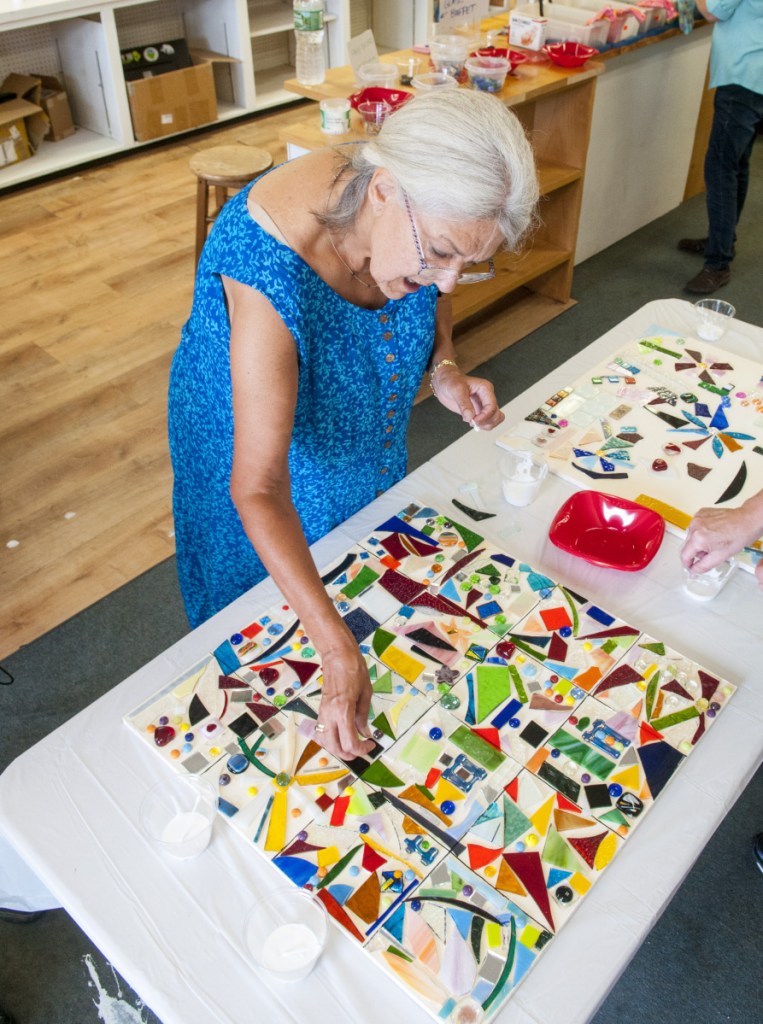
column 96, row 282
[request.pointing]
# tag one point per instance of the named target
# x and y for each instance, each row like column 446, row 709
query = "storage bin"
column 625, row 26
column 568, row 23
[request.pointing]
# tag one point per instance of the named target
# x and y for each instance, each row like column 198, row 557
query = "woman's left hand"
column 473, row 398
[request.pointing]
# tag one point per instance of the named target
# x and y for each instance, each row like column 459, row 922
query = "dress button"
column 383, row 469
column 387, row 444
column 379, row 493
column 388, row 429
column 383, row 318
column 387, row 335
column 393, row 378
column 392, row 397
column 390, row 414
column 389, row 358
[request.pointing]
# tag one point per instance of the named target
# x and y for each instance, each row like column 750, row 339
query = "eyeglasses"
column 430, row 274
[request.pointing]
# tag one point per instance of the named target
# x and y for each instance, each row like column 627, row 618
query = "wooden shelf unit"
column 555, row 106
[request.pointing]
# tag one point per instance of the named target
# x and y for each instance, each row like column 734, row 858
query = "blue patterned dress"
column 359, row 371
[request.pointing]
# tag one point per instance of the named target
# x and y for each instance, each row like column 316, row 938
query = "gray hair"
column 458, row 154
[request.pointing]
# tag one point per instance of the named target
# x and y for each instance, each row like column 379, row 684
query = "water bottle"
column 308, row 30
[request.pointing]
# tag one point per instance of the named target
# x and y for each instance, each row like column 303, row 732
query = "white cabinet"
column 79, row 41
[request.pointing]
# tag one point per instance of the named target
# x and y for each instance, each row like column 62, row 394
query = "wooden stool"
column 223, row 168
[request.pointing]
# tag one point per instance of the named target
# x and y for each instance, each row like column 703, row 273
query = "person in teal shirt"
column 736, row 74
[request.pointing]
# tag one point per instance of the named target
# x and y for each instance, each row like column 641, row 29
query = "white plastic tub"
column 623, row 27
column 568, row 23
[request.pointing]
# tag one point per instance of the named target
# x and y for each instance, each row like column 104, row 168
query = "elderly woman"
column 320, row 302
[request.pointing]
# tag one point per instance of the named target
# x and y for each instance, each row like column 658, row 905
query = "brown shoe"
column 695, row 245
column 708, row 281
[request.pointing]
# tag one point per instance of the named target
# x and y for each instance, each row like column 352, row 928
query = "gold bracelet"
column 436, row 367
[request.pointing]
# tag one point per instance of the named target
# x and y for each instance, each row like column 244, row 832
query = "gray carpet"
column 701, row 962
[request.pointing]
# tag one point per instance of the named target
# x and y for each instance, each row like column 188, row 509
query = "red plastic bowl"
column 569, row 54
column 606, row 530
column 375, row 93
column 514, row 56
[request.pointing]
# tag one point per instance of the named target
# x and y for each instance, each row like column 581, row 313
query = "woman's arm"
column 264, row 375
column 473, row 398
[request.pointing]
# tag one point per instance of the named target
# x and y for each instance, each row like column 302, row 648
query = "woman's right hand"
column 345, row 700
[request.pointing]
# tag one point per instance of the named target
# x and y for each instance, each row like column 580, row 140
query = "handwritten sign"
column 449, row 13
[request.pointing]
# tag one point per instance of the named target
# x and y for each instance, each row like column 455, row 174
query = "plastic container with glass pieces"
column 487, row 74
column 434, row 80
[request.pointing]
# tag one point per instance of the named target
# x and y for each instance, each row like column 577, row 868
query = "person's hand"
column 472, row 398
column 717, row 533
column 345, row 700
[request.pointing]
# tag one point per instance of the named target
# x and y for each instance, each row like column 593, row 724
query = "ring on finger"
column 320, row 727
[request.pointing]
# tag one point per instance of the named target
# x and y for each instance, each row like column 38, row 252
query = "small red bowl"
column 569, row 54
column 375, row 93
column 514, row 56
column 608, row 531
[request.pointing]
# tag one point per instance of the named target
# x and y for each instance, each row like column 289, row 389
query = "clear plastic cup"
column 178, row 815
column 707, row 585
column 377, row 75
column 449, row 52
column 523, row 470
column 407, row 68
column 285, row 932
column 434, row 80
column 373, row 114
column 713, row 317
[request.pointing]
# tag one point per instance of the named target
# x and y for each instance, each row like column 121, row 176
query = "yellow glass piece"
column 317, row 778
column 542, row 816
column 493, row 934
column 579, row 883
column 606, row 851
column 187, row 686
column 330, row 855
column 402, row 663
column 702, row 704
column 214, row 751
column 628, row 778
column 447, row 791
column 252, row 791
column 668, row 512
column 529, row 936
column 588, row 646
column 531, row 840
column 276, row 837
column 641, row 684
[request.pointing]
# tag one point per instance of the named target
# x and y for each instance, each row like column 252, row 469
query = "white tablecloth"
column 68, row 806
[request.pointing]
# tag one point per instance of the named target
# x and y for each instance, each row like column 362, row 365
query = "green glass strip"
column 249, row 754
column 519, row 686
column 528, row 649
column 573, row 611
column 477, row 749
column 659, row 348
column 582, row 754
column 679, row 716
column 378, row 774
column 339, row 867
column 651, row 695
column 655, row 648
column 507, row 968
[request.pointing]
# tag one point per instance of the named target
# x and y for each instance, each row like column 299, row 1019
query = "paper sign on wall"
column 362, row 50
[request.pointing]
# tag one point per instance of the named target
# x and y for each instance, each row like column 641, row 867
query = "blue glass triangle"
column 449, row 590
column 562, row 670
column 462, row 920
column 296, row 869
column 719, row 421
column 555, row 876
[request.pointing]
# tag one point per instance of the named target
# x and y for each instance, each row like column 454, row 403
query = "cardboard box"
column 23, row 123
column 176, row 101
column 55, row 103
